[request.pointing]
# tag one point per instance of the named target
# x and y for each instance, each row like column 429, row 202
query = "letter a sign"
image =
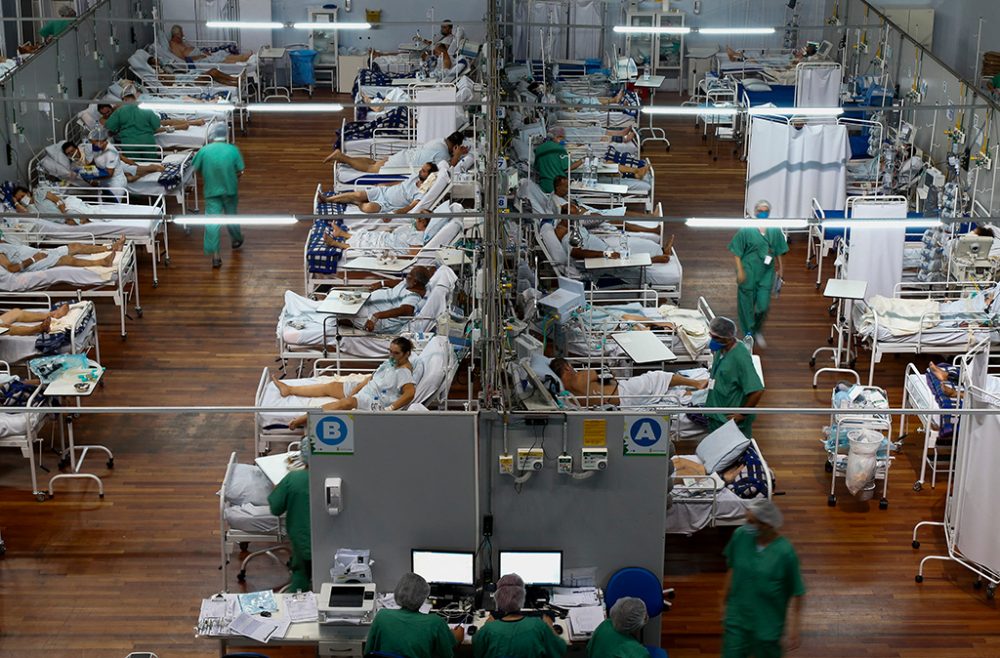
column 646, row 435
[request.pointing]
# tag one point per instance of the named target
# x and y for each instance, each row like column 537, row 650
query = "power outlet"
column 530, row 459
column 506, row 464
column 565, row 464
column 594, row 459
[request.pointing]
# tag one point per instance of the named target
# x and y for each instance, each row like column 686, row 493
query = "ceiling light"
column 187, row 108
column 294, row 107
column 733, row 222
column 735, row 30
column 332, row 26
column 244, row 220
column 244, row 25
column 649, row 29
column 881, row 223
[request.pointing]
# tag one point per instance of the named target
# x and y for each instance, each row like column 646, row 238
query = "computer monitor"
column 444, row 567
column 538, row 568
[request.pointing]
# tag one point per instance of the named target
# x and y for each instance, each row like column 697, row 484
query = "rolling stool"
column 642, row 584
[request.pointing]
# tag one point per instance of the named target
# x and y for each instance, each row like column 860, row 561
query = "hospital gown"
column 384, row 388
column 394, row 197
column 590, row 242
column 433, row 151
column 18, row 253
column 400, row 239
column 110, row 159
column 387, row 299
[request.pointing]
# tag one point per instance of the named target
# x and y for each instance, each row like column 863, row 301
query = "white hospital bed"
column 21, row 431
column 79, row 325
column 918, row 397
column 434, row 366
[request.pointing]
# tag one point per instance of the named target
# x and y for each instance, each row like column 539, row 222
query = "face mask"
column 763, row 214
column 562, row 142
column 715, row 345
column 391, row 361
column 751, row 529
column 95, row 148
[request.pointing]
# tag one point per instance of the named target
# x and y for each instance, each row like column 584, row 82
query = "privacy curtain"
column 790, row 166
column 585, row 43
column 817, row 86
column 875, row 254
column 974, row 514
column 439, row 121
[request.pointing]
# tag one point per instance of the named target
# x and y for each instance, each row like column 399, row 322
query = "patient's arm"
column 405, row 309
column 409, row 392
column 581, row 254
column 23, row 265
column 680, row 380
column 408, row 208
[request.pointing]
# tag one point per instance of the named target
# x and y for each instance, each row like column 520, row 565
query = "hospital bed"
column 248, row 71
column 913, row 321
column 695, row 502
column 394, row 131
column 149, row 233
column 611, row 117
column 21, row 430
column 79, row 328
column 119, row 282
column 435, row 363
column 193, row 137
column 245, row 517
column 938, row 430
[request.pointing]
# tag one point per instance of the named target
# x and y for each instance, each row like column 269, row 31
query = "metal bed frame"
column 27, row 441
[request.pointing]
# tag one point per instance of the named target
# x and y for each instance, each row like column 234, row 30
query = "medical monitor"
column 538, row 568
column 443, row 567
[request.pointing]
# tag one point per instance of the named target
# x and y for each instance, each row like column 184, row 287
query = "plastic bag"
column 352, row 565
column 861, row 460
column 48, row 368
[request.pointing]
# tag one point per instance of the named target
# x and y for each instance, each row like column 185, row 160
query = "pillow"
column 540, row 364
column 247, row 484
column 434, row 191
column 55, row 162
column 251, row 518
column 139, row 61
column 756, row 85
column 436, row 223
column 552, row 244
column 722, row 448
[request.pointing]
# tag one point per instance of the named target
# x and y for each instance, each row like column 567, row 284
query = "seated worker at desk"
column 389, row 388
column 406, row 238
column 592, row 246
column 450, row 148
column 552, row 160
column 400, row 197
column 183, row 50
column 560, row 197
column 22, row 258
column 409, row 632
column 291, row 498
column 648, row 388
column 510, row 633
column 734, row 380
column 16, row 320
column 618, row 635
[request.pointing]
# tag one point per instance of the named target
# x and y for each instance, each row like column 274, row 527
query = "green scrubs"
column 136, row 128
column 996, row 81
column 754, row 295
column 763, row 582
column 551, row 160
column 410, row 634
column 529, row 637
column 733, row 379
column 55, row 28
column 220, row 165
column 606, row 642
column 291, row 498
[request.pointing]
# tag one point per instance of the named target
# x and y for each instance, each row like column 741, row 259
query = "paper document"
column 301, row 607
column 249, row 626
column 583, row 621
column 571, row 597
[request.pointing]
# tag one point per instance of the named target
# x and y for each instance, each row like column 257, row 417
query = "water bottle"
column 645, row 72
column 623, row 249
column 588, row 167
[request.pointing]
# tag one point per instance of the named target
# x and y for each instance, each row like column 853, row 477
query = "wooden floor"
column 92, row 578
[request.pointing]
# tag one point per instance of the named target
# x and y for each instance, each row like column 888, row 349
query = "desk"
column 373, row 264
column 643, row 346
column 274, row 57
column 64, row 386
column 653, row 83
column 841, row 290
column 334, row 303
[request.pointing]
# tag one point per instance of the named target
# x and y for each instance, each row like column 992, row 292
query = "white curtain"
column 585, row 43
column 790, row 166
column 817, row 86
column 439, row 121
column 977, row 524
column 876, row 253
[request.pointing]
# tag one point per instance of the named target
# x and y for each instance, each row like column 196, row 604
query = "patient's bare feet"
column 60, row 312
column 107, row 261
column 284, row 389
column 118, row 244
column 669, row 247
column 643, row 171
column 940, row 373
column 333, row 156
column 45, row 325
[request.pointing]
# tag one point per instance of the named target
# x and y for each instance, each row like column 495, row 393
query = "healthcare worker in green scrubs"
column 764, row 589
column 552, row 160
column 510, row 634
column 758, row 253
column 734, row 381
column 291, row 498
column 409, row 632
column 135, row 127
column 221, row 166
column 52, row 29
column 617, row 636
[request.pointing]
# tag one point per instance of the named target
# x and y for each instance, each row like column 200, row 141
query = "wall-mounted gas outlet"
column 564, row 465
column 594, row 459
column 530, row 459
column 506, row 464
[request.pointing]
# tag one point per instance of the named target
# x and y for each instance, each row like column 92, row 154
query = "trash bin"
column 862, row 462
column 303, row 72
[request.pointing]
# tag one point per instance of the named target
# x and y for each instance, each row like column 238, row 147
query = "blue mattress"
column 378, row 179
column 780, row 95
column 859, row 146
column 913, row 233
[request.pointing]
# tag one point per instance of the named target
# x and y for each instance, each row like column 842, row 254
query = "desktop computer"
column 540, row 570
column 451, row 574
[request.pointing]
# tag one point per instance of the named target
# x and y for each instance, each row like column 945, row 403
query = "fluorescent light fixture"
column 731, row 222
column 332, row 26
column 881, row 223
column 796, row 111
column 690, row 110
column 735, row 30
column 244, row 25
column 187, row 108
column 643, row 29
column 277, row 108
column 244, row 220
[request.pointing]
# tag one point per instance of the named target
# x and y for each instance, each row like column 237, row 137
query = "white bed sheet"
column 77, row 276
column 149, row 184
column 689, row 514
column 14, row 349
column 135, row 228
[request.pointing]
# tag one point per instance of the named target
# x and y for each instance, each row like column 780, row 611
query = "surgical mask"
column 763, row 214
column 716, row 345
column 95, row 148
column 391, row 361
column 562, row 142
column 751, row 529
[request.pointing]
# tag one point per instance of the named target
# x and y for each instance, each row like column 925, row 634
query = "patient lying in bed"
column 645, row 390
column 72, row 209
column 22, row 258
column 19, row 322
column 405, row 239
column 401, row 197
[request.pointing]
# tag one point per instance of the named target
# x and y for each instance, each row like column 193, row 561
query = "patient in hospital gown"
column 644, row 390
column 407, row 238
